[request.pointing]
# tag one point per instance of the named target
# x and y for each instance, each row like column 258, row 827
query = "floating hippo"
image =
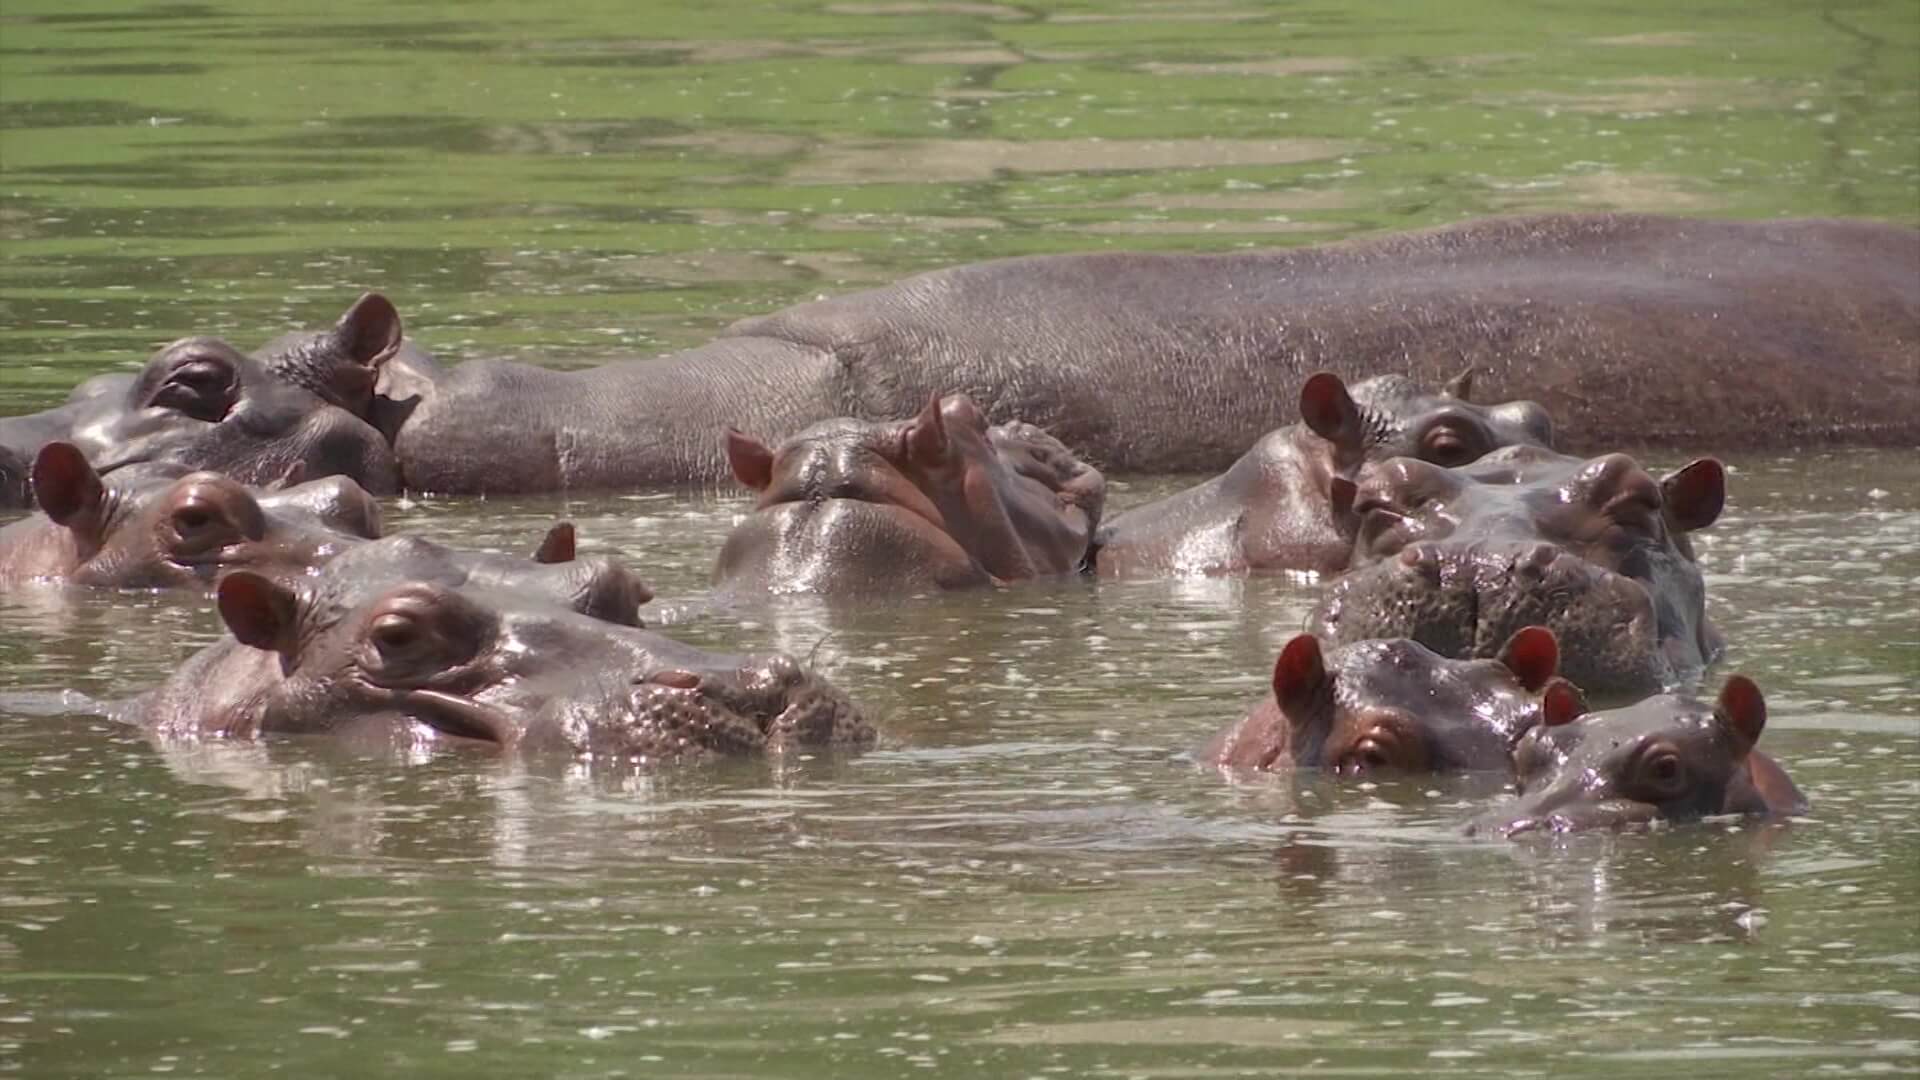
column 1391, row 705
column 202, row 404
column 1668, row 757
column 1285, row 505
column 158, row 526
column 475, row 662
column 1596, row 549
column 940, row 501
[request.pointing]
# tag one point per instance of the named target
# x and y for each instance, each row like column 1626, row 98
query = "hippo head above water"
column 1668, row 757
column 939, row 501
column 1400, row 419
column 202, row 404
column 1597, row 550
column 162, row 526
column 474, row 661
column 1392, row 706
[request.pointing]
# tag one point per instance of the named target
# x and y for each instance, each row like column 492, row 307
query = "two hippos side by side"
column 1630, row 330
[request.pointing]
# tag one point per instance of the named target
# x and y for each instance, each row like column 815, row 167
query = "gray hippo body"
column 1629, row 330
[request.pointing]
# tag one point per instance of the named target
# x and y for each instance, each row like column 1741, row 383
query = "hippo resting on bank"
column 1392, row 705
column 1595, row 549
column 161, row 526
column 410, row 659
column 938, row 501
column 1286, row 503
column 1668, row 757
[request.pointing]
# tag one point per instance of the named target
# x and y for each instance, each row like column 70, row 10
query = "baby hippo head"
column 939, row 500
column 1669, row 757
column 1393, row 706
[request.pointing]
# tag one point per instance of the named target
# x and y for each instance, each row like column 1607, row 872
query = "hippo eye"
column 1451, row 446
column 1663, row 773
column 396, row 637
column 192, row 520
column 202, row 389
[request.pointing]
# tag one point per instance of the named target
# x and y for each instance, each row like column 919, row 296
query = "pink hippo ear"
column 1330, row 413
column 1300, row 678
column 1533, row 655
column 1460, row 387
column 370, row 331
column 926, row 435
column 260, row 611
column 68, row 489
column 1742, row 709
column 1695, row 494
column 557, row 546
column 1561, row 703
column 752, row 462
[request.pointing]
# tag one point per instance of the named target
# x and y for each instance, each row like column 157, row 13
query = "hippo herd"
column 1491, row 568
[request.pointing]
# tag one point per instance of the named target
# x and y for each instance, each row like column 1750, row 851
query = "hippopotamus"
column 1391, row 705
column 1670, row 757
column 1729, row 334
column 14, row 490
column 938, row 501
column 487, row 663
column 1286, row 503
column 161, row 526
column 203, row 404
column 1594, row 548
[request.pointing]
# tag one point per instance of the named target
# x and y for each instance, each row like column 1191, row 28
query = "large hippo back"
column 1630, row 330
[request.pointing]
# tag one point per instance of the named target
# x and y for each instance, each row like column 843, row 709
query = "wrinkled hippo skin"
column 1668, row 757
column 1597, row 550
column 939, row 501
column 1283, row 506
column 482, row 663
column 1391, row 706
column 202, row 404
column 161, row 526
column 1729, row 334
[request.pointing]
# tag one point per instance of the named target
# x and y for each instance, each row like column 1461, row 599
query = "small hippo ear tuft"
column 1329, row 412
column 67, row 488
column 1533, row 655
column 260, row 611
column 750, row 459
column 1561, row 703
column 1460, row 387
column 926, row 435
column 557, row 546
column 1695, row 494
column 370, row 330
column 1742, row 708
column 1300, row 677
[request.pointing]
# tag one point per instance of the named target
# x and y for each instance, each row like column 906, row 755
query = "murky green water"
column 1029, row 879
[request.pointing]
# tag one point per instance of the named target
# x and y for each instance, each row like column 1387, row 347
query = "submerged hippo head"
column 1392, row 705
column 1458, row 559
column 938, row 501
column 1667, row 757
column 493, row 664
column 203, row 404
column 161, row 526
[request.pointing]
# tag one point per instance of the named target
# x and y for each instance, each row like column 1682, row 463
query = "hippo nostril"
column 676, row 679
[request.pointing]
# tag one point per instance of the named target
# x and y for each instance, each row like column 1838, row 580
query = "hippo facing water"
column 1286, row 503
column 938, row 501
column 1596, row 549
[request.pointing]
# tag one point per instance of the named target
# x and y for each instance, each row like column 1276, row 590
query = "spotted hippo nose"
column 769, row 702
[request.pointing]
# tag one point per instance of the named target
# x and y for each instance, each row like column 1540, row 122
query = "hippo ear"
column 260, row 611
column 1695, row 494
column 557, row 546
column 1330, row 413
column 1460, row 387
column 68, row 489
column 1533, row 655
column 369, row 333
column 1300, row 678
column 752, row 462
column 926, row 435
column 1561, row 703
column 1742, row 709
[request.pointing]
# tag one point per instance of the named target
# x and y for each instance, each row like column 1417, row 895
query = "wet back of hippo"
column 1630, row 330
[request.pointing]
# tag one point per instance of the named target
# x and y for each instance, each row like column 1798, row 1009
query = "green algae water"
column 1030, row 877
